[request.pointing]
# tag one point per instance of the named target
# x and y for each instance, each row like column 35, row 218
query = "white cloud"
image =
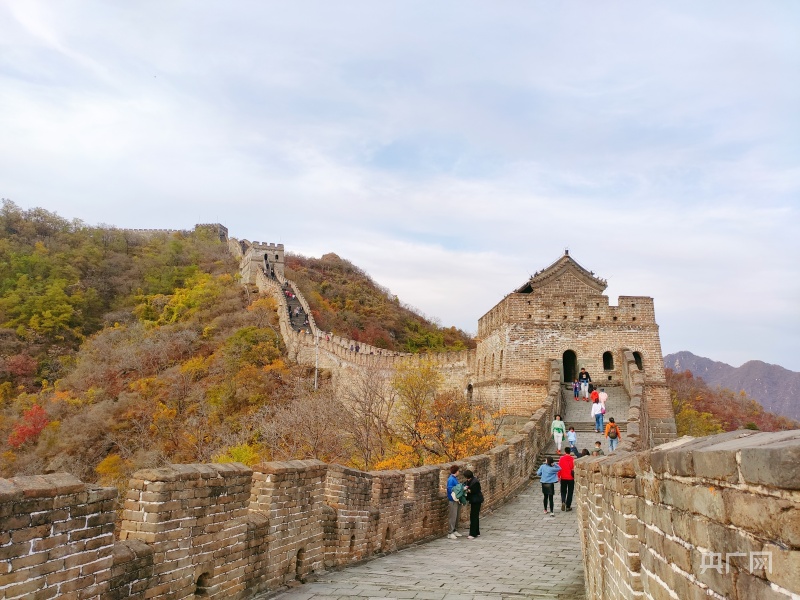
column 448, row 149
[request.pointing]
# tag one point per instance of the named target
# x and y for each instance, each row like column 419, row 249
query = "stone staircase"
column 297, row 316
column 578, row 415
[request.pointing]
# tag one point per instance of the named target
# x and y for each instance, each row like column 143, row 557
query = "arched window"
column 570, row 366
column 608, row 361
column 638, row 358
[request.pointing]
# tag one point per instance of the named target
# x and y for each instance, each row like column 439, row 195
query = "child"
column 576, row 389
column 572, row 438
column 598, row 449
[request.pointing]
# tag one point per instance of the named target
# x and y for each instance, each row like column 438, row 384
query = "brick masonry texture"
column 228, row 531
column 650, row 521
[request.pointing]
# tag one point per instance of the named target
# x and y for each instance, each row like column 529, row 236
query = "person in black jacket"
column 472, row 487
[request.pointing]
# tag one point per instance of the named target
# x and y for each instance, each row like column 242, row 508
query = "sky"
column 450, row 149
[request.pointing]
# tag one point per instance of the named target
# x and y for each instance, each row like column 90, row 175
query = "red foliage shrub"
column 33, row 422
column 21, row 365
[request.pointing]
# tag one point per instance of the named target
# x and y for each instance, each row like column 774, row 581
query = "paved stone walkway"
column 521, row 553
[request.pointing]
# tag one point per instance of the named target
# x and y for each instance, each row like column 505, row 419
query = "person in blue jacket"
column 454, row 506
column 549, row 474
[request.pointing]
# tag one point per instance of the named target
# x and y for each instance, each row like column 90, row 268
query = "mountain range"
column 775, row 388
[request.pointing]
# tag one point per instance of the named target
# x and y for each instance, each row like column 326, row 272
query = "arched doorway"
column 608, row 361
column 570, row 366
column 638, row 358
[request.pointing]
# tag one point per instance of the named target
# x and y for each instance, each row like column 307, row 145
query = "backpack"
column 612, row 434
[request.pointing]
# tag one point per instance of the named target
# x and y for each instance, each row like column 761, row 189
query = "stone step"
column 586, row 426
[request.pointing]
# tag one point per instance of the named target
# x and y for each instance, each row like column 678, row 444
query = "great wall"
column 650, row 514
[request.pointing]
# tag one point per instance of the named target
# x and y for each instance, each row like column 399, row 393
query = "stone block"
column 785, row 570
column 703, row 499
column 748, row 586
column 658, row 456
column 776, row 464
column 764, row 516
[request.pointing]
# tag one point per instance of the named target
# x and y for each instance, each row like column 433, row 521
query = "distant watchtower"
column 262, row 257
column 561, row 313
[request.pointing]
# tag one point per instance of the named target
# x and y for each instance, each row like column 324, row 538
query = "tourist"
column 613, row 434
column 603, row 397
column 454, row 508
column 472, row 487
column 584, row 378
column 572, row 438
column 594, row 395
column 549, row 476
column 559, row 430
column 567, row 478
column 576, row 389
column 598, row 449
column 584, row 452
column 597, row 415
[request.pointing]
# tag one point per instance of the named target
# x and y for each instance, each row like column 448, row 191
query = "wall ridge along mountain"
column 560, row 313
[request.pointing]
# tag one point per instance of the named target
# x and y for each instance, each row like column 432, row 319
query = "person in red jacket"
column 567, row 478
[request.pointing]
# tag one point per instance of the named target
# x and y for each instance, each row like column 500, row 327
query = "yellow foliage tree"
column 416, row 384
column 247, row 454
column 433, row 426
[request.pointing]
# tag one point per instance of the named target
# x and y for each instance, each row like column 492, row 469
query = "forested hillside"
column 347, row 302
column 703, row 410
column 776, row 388
column 121, row 350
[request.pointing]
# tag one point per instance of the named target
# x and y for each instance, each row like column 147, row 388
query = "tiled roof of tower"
column 565, row 264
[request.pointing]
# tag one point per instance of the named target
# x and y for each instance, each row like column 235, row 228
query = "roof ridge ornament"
column 559, row 268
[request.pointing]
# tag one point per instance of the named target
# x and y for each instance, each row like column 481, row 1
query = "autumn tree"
column 416, row 384
column 369, row 399
column 460, row 427
column 309, row 426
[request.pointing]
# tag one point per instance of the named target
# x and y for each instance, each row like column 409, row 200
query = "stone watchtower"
column 561, row 313
column 261, row 257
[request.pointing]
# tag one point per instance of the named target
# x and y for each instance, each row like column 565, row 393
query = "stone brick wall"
column 651, row 419
column 56, row 537
column 227, row 531
column 685, row 520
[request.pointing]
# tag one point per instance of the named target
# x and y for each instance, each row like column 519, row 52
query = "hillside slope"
column 776, row 389
column 122, row 350
column 347, row 302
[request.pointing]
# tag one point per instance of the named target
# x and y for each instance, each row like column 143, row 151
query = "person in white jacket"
column 597, row 414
